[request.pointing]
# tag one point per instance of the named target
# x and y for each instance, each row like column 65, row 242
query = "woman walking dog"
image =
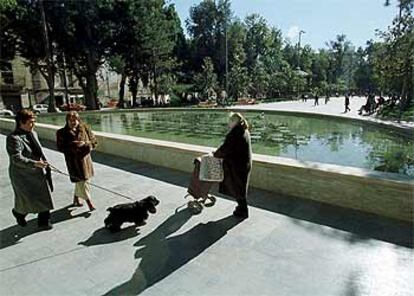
column 76, row 141
column 29, row 172
column 236, row 153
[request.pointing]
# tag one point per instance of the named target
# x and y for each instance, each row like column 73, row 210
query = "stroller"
column 199, row 189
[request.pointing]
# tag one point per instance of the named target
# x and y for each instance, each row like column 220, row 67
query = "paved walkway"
column 287, row 247
column 335, row 107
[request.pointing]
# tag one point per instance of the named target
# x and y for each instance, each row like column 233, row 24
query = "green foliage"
column 257, row 40
column 259, row 81
column 205, row 82
column 208, row 26
column 165, row 83
column 8, row 39
column 143, row 40
column 238, row 76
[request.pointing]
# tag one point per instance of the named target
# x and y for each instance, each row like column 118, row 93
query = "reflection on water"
column 309, row 139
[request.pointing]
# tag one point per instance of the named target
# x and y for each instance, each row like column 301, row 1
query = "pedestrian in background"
column 347, row 104
column 316, row 100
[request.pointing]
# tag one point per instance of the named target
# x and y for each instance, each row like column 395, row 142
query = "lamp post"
column 298, row 66
column 227, row 60
column 226, row 54
column 65, row 81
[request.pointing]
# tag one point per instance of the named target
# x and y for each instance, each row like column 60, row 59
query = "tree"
column 319, row 70
column 117, row 64
column 208, row 25
column 182, row 48
column 396, row 74
column 122, row 55
column 338, row 49
column 224, row 21
column 8, row 37
column 50, row 65
column 158, row 40
column 85, row 37
column 206, row 81
column 258, row 39
column 363, row 75
column 238, row 75
column 25, row 21
column 282, row 81
column 259, row 81
column 202, row 25
column 165, row 83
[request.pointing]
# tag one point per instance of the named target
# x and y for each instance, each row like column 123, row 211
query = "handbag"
column 211, row 169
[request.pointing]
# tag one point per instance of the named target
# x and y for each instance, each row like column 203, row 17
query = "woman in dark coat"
column 236, row 153
column 29, row 172
column 76, row 141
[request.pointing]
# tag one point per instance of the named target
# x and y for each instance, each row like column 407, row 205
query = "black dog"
column 136, row 212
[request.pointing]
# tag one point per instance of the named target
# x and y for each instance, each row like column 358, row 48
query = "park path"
column 335, row 107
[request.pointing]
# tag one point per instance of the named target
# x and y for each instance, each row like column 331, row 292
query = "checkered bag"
column 211, row 169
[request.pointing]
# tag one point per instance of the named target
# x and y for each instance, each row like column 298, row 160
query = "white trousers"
column 83, row 189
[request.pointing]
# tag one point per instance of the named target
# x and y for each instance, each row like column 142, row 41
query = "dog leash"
column 56, row 170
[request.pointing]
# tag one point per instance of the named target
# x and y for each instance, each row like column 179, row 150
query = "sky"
column 321, row 20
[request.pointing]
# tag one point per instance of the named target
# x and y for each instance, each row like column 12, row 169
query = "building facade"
column 20, row 88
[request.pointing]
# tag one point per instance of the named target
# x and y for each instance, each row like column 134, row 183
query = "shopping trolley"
column 207, row 171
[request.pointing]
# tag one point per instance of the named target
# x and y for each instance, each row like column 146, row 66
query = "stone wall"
column 379, row 193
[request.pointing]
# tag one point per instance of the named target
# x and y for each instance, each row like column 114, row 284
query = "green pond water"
column 302, row 138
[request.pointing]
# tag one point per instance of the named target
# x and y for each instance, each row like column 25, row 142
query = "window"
column 6, row 72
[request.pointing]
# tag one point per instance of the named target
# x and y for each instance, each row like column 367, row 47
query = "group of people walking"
column 30, row 171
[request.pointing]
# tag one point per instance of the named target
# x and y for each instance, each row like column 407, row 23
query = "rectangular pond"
column 325, row 140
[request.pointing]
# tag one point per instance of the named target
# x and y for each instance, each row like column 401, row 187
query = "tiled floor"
column 286, row 247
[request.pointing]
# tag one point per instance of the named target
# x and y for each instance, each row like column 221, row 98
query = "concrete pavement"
column 335, row 107
column 287, row 247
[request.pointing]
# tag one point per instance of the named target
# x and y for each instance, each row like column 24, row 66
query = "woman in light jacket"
column 236, row 153
column 76, row 141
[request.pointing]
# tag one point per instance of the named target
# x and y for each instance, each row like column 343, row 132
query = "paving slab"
column 287, row 246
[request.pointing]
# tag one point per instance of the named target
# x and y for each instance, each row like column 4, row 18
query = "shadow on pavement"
column 361, row 225
column 13, row 234
column 161, row 254
column 103, row 236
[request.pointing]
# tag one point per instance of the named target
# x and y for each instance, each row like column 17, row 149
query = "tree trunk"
column 65, row 81
column 155, row 84
column 122, row 90
column 50, row 77
column 407, row 88
column 133, row 87
column 91, row 99
column 50, row 81
column 51, row 85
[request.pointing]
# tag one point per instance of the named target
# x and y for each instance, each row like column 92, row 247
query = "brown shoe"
column 90, row 205
column 76, row 202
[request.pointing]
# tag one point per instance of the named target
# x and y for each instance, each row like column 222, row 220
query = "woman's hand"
column 40, row 164
column 79, row 143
